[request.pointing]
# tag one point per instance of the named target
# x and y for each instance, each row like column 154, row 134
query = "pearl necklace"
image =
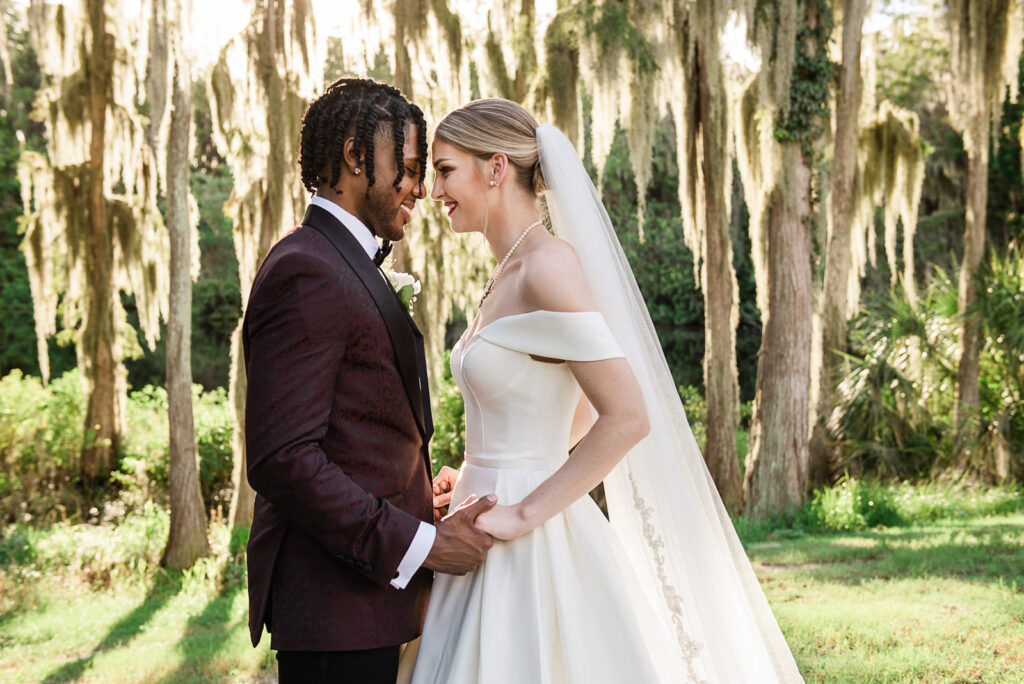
column 501, row 267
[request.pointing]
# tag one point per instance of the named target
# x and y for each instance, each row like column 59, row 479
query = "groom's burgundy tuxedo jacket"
column 336, row 432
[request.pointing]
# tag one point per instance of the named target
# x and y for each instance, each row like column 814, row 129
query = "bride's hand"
column 443, row 485
column 503, row 522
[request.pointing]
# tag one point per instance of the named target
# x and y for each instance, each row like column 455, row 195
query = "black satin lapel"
column 391, row 310
column 421, row 362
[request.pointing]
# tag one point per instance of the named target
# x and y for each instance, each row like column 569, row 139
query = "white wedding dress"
column 664, row 592
column 561, row 604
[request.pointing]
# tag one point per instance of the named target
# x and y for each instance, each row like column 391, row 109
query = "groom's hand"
column 459, row 547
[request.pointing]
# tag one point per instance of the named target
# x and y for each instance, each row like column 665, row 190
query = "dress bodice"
column 519, row 409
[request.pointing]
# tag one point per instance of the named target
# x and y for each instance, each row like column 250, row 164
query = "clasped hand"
column 501, row 522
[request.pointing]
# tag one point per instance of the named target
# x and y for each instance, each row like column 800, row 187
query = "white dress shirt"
column 424, row 539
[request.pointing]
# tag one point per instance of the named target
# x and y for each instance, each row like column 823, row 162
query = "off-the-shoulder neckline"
column 523, row 315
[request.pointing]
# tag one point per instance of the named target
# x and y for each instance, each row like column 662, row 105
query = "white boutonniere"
column 406, row 286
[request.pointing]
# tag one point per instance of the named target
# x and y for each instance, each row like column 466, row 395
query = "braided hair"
column 356, row 108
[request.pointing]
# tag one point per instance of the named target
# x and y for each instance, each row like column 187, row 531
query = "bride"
column 565, row 386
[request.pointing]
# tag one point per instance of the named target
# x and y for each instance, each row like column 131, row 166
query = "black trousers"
column 375, row 666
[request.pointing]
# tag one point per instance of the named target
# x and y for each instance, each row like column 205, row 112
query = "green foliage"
column 812, row 79
column 449, row 442
column 855, row 504
column 334, row 61
column 696, row 412
column 895, row 415
column 143, row 472
column 17, row 331
column 615, row 31
column 662, row 264
column 41, row 439
column 40, row 442
column 912, row 61
column 852, row 505
column 96, row 555
column 216, row 298
column 1004, row 216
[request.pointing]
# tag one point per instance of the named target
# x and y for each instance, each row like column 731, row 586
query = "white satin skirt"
column 559, row 605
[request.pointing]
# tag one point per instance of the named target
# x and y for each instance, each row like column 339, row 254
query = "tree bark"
column 243, row 497
column 721, row 291
column 100, row 333
column 835, row 294
column 5, row 58
column 187, row 541
column 969, row 369
column 777, row 464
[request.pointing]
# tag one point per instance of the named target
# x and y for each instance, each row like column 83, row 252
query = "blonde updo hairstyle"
column 491, row 126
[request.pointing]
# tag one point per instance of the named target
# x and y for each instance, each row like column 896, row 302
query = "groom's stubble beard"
column 384, row 213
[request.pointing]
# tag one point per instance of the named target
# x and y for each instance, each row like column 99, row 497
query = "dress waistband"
column 513, row 463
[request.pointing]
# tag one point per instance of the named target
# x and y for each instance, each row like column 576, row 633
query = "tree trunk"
column 5, row 58
column 187, row 540
column 835, row 294
column 243, row 497
column 721, row 291
column 99, row 337
column 974, row 249
column 776, row 476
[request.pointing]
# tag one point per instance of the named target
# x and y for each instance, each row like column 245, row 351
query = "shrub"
column 449, row 443
column 41, row 438
column 853, row 504
column 696, row 413
column 40, row 442
column 895, row 417
column 143, row 468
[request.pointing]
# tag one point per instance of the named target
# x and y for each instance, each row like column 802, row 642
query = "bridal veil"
column 662, row 501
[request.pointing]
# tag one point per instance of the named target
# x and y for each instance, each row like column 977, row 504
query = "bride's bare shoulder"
column 552, row 278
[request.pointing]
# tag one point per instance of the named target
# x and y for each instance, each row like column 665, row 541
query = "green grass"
column 939, row 601
column 90, row 603
column 136, row 634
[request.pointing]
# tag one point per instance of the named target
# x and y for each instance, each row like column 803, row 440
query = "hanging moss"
column 260, row 87
column 561, row 49
column 496, row 66
column 890, row 174
column 93, row 230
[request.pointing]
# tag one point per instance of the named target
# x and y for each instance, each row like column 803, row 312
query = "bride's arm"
column 610, row 387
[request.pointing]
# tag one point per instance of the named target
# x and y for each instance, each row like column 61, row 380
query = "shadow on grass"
column 206, row 634
column 123, row 631
column 988, row 552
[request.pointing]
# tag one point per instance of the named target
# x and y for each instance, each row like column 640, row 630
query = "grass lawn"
column 941, row 602
column 135, row 634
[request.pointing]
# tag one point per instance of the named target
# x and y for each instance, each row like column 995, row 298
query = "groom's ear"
column 349, row 158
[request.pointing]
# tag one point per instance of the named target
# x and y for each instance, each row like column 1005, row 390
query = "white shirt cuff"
column 418, row 551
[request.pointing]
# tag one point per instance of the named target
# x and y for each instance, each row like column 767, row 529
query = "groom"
column 337, row 412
